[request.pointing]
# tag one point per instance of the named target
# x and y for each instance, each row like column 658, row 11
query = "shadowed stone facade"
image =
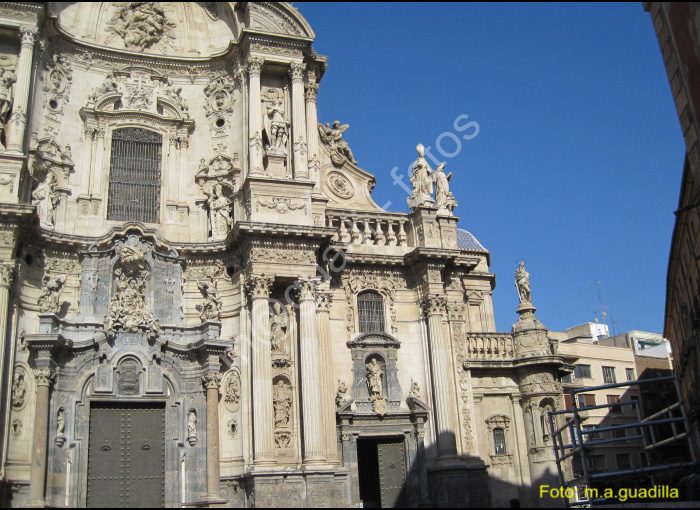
column 200, row 302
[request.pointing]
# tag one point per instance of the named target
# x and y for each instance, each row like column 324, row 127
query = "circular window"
column 53, row 104
column 220, row 123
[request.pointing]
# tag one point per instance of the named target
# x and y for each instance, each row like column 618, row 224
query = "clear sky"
column 577, row 163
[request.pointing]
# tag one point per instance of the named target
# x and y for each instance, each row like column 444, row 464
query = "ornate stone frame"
column 499, row 421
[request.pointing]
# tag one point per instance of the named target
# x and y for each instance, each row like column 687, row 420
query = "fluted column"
column 212, row 382
column 255, row 154
column 263, row 419
column 37, row 477
column 323, row 331
column 18, row 119
column 301, row 169
column 314, row 164
column 444, row 403
column 314, row 451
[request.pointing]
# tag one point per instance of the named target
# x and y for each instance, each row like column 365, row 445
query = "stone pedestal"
column 277, row 165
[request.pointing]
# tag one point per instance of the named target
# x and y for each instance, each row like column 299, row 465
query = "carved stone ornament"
column 282, row 402
column 16, row 428
column 19, row 388
column 7, row 78
column 414, row 392
column 142, row 25
column 281, row 205
column 211, row 381
column 57, row 80
column 219, row 206
column 232, row 391
column 260, row 286
column 192, row 427
column 333, row 138
column 48, row 299
column 232, row 428
column 219, row 93
column 435, row 305
column 7, row 274
column 46, row 199
column 279, row 328
column 340, row 185
column 522, row 283
column 128, row 380
column 540, row 383
column 44, row 377
column 341, row 394
column 210, row 310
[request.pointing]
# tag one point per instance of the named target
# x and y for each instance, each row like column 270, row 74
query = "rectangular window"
column 499, row 441
column 566, row 379
column 582, row 371
column 623, row 461
column 614, row 399
column 609, row 375
column 596, row 462
column 585, row 400
column 630, row 374
column 619, row 433
column 567, row 403
column 592, row 435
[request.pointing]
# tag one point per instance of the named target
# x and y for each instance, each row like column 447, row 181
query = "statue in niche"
column 48, row 299
column 60, row 422
column 522, row 283
column 340, row 397
column 192, row 427
column 211, row 309
column 19, row 388
column 373, row 373
column 278, row 127
column 444, row 199
column 333, row 137
column 282, row 401
column 220, row 220
column 421, row 178
column 233, row 390
column 279, row 324
column 544, row 421
column 46, row 199
column 7, row 78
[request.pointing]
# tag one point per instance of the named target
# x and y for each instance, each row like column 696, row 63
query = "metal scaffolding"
column 645, row 425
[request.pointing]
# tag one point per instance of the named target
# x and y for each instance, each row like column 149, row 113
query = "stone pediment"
column 348, row 187
column 374, row 340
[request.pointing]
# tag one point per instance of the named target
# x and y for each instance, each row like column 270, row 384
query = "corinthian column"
column 255, row 154
column 301, row 170
column 212, row 383
column 323, row 331
column 312, row 132
column 314, row 451
column 37, row 476
column 442, row 380
column 263, row 419
column 18, row 119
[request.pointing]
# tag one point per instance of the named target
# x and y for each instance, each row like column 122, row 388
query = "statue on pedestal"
column 6, row 80
column 46, row 200
column 522, row 283
column 444, row 199
column 374, row 379
column 278, row 128
column 422, row 181
column 219, row 212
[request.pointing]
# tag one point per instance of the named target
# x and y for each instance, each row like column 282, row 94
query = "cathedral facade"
column 201, row 304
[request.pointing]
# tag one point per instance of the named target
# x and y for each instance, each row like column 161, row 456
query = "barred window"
column 370, row 312
column 609, row 375
column 582, row 371
column 134, row 176
column 499, row 441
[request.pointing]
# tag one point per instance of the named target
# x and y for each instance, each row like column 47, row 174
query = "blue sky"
column 577, row 163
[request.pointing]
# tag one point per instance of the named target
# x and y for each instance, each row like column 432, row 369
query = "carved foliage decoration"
column 142, row 25
column 57, row 81
column 232, row 391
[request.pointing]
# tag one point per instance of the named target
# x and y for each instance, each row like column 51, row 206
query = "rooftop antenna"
column 612, row 323
column 600, row 300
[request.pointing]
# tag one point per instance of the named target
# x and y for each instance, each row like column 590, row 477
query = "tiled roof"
column 466, row 241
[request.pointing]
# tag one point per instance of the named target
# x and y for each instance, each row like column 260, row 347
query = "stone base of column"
column 36, row 504
column 459, row 485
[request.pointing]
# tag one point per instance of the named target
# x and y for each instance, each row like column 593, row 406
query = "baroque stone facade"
column 201, row 304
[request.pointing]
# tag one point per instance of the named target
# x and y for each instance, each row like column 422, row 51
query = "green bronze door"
column 392, row 473
column 126, row 456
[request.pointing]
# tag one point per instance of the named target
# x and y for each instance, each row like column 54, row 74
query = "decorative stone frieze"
column 141, row 25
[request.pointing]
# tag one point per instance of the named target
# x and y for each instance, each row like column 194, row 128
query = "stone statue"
column 333, row 137
column 219, row 212
column 192, row 423
column 278, row 125
column 278, row 329
column 48, row 299
column 414, row 391
column 19, row 388
column 46, row 199
column 211, row 309
column 340, row 398
column 522, row 283
column 141, row 24
column 60, row 421
column 374, row 373
column 233, row 390
column 422, row 180
column 282, row 401
column 6, row 80
column 444, row 199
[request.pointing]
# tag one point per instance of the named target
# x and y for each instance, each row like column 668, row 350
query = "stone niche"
column 376, row 386
column 130, row 283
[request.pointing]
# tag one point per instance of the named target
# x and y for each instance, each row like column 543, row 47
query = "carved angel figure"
column 333, row 136
column 6, row 80
column 48, row 299
column 522, row 283
column 373, row 372
column 219, row 212
column 282, row 400
column 46, row 199
column 278, row 328
column 211, row 309
column 278, row 133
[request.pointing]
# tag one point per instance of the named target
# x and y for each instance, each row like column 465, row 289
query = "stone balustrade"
column 370, row 229
column 490, row 346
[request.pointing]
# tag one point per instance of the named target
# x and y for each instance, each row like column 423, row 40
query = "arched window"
column 499, row 441
column 370, row 312
column 134, row 176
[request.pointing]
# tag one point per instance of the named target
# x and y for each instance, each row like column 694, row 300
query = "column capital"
column 28, row 35
column 324, row 298
column 255, row 65
column 307, row 288
column 259, row 287
column 44, row 377
column 7, row 274
column 435, row 305
column 311, row 91
column 211, row 381
column 296, row 70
